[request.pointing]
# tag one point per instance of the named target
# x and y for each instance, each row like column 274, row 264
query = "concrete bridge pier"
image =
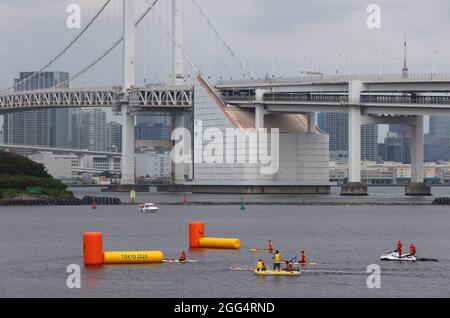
column 129, row 80
column 182, row 154
column 260, row 112
column 127, row 161
column 355, row 120
column 312, row 123
column 417, row 186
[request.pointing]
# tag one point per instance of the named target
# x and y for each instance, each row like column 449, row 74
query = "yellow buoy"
column 220, row 243
column 129, row 257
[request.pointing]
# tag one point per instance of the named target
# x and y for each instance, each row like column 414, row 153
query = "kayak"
column 299, row 263
column 276, row 273
column 256, row 250
column 178, row 261
column 394, row 257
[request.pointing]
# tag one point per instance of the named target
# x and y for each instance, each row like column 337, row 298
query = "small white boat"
column 149, row 208
column 394, row 257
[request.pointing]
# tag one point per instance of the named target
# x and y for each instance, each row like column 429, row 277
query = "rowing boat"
column 256, row 250
column 277, row 273
column 178, row 261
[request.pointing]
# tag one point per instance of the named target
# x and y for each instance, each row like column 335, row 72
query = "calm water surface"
column 38, row 243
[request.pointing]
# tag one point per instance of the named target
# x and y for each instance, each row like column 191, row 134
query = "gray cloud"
column 297, row 33
column 259, row 30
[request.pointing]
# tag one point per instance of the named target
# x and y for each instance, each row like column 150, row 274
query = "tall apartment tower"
column 149, row 127
column 39, row 127
column 114, row 136
column 440, row 126
column 336, row 125
column 89, row 130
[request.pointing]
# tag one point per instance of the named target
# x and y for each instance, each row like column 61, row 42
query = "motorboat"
column 148, row 208
column 394, row 257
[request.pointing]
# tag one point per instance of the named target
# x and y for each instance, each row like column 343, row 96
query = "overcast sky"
column 284, row 36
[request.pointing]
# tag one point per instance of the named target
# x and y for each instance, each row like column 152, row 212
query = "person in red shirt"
column 412, row 250
column 270, row 245
column 304, row 260
column 399, row 249
column 183, row 257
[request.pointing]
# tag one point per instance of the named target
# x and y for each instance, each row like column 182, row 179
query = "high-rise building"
column 40, row 127
column 153, row 127
column 400, row 130
column 439, row 126
column 369, row 142
column 396, row 149
column 114, row 136
column 2, row 140
column 89, row 130
column 336, row 125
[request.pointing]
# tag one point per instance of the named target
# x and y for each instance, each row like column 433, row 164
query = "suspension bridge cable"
column 224, row 43
column 66, row 48
column 98, row 59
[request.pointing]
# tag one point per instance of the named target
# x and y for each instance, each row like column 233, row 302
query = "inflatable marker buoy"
column 197, row 239
column 94, row 255
column 94, row 205
column 93, row 248
column 130, row 257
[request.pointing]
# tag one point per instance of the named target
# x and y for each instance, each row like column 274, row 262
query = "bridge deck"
column 142, row 98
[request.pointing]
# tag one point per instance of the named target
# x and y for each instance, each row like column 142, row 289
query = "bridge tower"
column 180, row 171
column 129, row 80
column 177, row 63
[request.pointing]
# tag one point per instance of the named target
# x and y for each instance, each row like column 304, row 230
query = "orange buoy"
column 185, row 199
column 220, row 243
column 93, row 248
column 196, row 232
column 94, row 205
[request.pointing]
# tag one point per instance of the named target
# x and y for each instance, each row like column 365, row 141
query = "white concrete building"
column 303, row 151
column 58, row 166
column 391, row 172
column 153, row 165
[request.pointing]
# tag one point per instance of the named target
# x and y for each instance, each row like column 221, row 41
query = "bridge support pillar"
column 127, row 161
column 312, row 122
column 355, row 120
column 260, row 112
column 129, row 80
column 182, row 165
column 417, row 187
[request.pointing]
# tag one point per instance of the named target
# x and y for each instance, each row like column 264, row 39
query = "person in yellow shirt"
column 276, row 261
column 260, row 266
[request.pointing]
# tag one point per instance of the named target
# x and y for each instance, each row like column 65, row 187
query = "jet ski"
column 394, row 257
